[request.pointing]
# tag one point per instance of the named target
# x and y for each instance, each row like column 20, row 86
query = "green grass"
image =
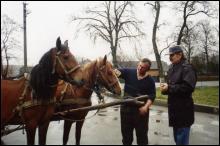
column 201, row 95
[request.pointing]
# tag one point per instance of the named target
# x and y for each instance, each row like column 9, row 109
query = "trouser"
column 130, row 120
column 181, row 135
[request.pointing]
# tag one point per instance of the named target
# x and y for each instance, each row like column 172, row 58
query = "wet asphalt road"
column 104, row 128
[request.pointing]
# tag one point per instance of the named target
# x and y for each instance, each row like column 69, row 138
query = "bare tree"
column 8, row 42
column 207, row 39
column 122, row 56
column 112, row 22
column 192, row 8
column 124, row 60
column 168, row 44
column 138, row 53
column 156, row 7
column 190, row 39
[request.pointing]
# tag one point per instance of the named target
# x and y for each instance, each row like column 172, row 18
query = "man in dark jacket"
column 137, row 82
column 181, row 83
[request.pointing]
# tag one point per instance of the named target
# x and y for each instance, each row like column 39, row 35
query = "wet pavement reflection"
column 104, row 128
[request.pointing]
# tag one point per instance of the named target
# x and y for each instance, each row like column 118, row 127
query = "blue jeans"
column 181, row 135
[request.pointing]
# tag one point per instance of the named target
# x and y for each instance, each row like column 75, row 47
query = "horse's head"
column 107, row 76
column 65, row 64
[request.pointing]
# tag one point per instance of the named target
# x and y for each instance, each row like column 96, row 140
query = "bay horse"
column 30, row 102
column 96, row 72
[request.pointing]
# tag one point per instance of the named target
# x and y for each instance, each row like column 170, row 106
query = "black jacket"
column 181, row 83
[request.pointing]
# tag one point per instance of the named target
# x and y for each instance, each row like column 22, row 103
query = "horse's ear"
column 104, row 60
column 58, row 44
column 66, row 43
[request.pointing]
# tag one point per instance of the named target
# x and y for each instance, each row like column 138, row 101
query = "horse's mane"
column 42, row 78
column 96, row 64
column 90, row 70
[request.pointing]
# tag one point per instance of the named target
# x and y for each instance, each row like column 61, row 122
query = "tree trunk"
column 207, row 58
column 184, row 24
column 189, row 55
column 181, row 33
column 157, row 55
column 189, row 49
column 5, row 70
column 114, row 58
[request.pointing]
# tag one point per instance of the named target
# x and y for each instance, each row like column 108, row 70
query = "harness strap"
column 98, row 93
column 64, row 91
column 21, row 98
column 73, row 69
column 28, row 104
column 66, row 72
column 80, row 101
column 63, row 67
column 25, row 88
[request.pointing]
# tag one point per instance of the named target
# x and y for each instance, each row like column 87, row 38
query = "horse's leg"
column 2, row 142
column 66, row 131
column 42, row 132
column 44, row 123
column 30, row 130
column 79, row 125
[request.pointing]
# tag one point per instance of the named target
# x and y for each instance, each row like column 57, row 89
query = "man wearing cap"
column 137, row 82
column 181, row 81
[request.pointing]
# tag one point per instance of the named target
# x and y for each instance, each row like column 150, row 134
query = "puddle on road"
column 156, row 133
column 99, row 114
column 115, row 118
column 157, row 121
column 102, row 111
column 115, row 109
column 159, row 112
column 159, row 133
column 165, row 135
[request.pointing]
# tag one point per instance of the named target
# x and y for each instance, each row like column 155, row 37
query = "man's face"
column 175, row 58
column 142, row 68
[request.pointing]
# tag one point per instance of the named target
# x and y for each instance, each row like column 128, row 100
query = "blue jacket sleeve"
column 152, row 91
column 123, row 73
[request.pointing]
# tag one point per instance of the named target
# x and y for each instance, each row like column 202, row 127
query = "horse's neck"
column 42, row 81
column 90, row 73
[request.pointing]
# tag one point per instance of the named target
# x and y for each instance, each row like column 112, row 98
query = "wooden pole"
column 25, row 36
column 8, row 131
column 133, row 101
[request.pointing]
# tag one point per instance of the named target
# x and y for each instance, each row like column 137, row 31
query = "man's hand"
column 163, row 87
column 117, row 72
column 143, row 110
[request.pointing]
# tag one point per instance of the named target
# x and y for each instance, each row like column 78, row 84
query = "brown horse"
column 97, row 72
column 31, row 102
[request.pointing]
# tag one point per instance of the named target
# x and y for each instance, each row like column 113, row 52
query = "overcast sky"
column 48, row 20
